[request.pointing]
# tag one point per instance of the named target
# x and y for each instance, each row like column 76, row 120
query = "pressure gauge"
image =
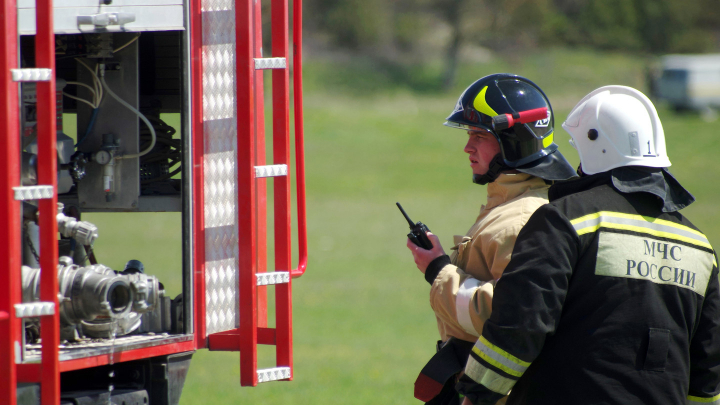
column 103, row 157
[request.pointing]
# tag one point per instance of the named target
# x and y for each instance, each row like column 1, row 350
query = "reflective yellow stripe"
column 699, row 400
column 495, row 363
column 503, row 353
column 548, row 140
column 499, row 358
column 488, row 378
column 637, row 218
column 637, row 223
column 481, row 104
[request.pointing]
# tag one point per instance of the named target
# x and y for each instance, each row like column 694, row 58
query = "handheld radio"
column 417, row 231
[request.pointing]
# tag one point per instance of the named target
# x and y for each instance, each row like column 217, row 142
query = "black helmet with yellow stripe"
column 526, row 147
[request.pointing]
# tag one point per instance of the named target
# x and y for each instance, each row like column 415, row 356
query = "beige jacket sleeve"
column 463, row 302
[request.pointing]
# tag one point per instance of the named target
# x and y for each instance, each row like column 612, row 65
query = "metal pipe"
column 299, row 139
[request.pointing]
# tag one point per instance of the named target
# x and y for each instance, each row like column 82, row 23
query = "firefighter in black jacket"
column 611, row 296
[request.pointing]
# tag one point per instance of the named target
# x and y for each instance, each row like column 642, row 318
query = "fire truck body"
column 74, row 331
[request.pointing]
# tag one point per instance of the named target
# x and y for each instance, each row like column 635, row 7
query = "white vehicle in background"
column 689, row 82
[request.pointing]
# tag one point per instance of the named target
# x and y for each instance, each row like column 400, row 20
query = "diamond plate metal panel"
column 220, row 129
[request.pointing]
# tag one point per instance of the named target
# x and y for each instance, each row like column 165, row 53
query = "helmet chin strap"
column 495, row 167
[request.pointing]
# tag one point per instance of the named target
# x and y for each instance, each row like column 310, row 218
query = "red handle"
column 505, row 121
column 299, row 139
column 536, row 114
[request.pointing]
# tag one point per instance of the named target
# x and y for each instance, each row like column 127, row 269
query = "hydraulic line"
column 134, row 110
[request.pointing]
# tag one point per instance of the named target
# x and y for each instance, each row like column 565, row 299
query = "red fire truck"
column 75, row 331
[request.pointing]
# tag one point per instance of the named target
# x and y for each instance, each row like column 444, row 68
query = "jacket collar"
column 631, row 179
column 577, row 185
column 510, row 185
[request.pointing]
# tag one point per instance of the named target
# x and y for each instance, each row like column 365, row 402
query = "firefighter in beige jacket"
column 461, row 293
column 509, row 122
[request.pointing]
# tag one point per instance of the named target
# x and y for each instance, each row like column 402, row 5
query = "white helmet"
column 616, row 126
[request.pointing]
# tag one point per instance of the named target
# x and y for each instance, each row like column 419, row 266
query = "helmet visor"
column 467, row 127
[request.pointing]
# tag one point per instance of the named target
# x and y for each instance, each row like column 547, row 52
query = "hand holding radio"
column 417, row 231
column 425, row 246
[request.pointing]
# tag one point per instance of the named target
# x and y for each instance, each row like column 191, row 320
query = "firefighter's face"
column 482, row 148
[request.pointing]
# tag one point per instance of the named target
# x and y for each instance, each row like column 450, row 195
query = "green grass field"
column 362, row 323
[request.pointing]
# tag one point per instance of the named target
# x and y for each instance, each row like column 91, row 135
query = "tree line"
column 408, row 31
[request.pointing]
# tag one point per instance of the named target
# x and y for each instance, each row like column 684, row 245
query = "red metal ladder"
column 11, row 308
column 252, row 172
